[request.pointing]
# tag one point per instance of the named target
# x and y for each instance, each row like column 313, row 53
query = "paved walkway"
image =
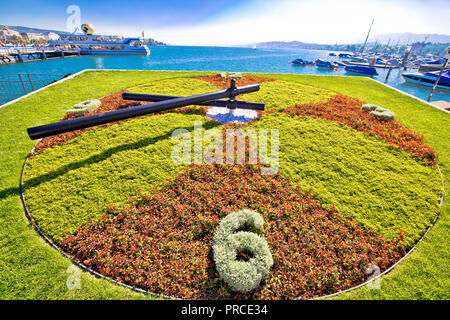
column 442, row 104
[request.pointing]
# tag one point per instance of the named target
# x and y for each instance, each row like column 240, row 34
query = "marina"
column 216, row 59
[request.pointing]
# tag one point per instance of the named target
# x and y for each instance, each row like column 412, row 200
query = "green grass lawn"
column 33, row 270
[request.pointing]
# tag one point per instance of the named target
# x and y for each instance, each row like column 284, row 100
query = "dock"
column 21, row 55
column 444, row 105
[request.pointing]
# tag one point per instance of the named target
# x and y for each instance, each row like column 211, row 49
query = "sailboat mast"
column 362, row 50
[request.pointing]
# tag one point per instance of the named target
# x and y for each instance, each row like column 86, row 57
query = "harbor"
column 216, row 59
column 375, row 62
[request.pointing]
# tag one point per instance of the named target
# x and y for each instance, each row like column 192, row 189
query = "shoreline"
column 201, row 58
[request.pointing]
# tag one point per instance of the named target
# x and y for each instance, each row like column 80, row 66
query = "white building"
column 6, row 33
column 51, row 36
column 33, row 36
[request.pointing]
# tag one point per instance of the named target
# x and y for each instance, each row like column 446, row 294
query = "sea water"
column 215, row 59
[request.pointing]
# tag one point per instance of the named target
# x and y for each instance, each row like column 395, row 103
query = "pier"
column 21, row 55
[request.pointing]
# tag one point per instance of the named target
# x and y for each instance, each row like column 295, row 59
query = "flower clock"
column 354, row 190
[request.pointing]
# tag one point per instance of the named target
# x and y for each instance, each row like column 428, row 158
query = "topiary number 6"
column 241, row 276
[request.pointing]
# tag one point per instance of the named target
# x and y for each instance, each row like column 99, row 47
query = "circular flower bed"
column 352, row 192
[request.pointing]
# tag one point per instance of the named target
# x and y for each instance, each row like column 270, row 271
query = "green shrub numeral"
column 378, row 112
column 241, row 276
column 85, row 106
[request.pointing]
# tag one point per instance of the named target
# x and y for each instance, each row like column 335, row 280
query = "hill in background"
column 407, row 37
column 395, row 38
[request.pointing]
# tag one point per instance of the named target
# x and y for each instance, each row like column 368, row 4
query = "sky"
column 236, row 22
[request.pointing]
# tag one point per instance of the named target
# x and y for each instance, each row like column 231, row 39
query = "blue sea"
column 214, row 59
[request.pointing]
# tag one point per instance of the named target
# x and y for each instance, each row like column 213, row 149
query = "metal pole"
column 23, row 85
column 387, row 76
column 14, row 88
column 213, row 103
column 405, row 58
column 438, row 78
column 19, row 55
column 122, row 114
column 31, row 83
column 8, row 88
column 5, row 92
column 367, row 37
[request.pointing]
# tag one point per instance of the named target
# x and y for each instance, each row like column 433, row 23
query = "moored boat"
column 339, row 64
column 358, row 60
column 301, row 62
column 345, row 55
column 429, row 78
column 322, row 64
column 361, row 70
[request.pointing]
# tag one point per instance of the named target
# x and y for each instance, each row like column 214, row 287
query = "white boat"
column 101, row 45
column 429, row 78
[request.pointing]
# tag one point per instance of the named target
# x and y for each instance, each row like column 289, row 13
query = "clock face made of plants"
column 351, row 193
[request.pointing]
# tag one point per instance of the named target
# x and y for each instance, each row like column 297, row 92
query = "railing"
column 14, row 85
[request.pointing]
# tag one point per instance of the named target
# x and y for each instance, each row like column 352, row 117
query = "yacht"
column 361, row 70
column 429, row 78
column 101, row 45
column 327, row 65
column 301, row 62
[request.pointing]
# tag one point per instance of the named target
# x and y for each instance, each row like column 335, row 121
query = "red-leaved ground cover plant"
column 347, row 111
column 162, row 241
